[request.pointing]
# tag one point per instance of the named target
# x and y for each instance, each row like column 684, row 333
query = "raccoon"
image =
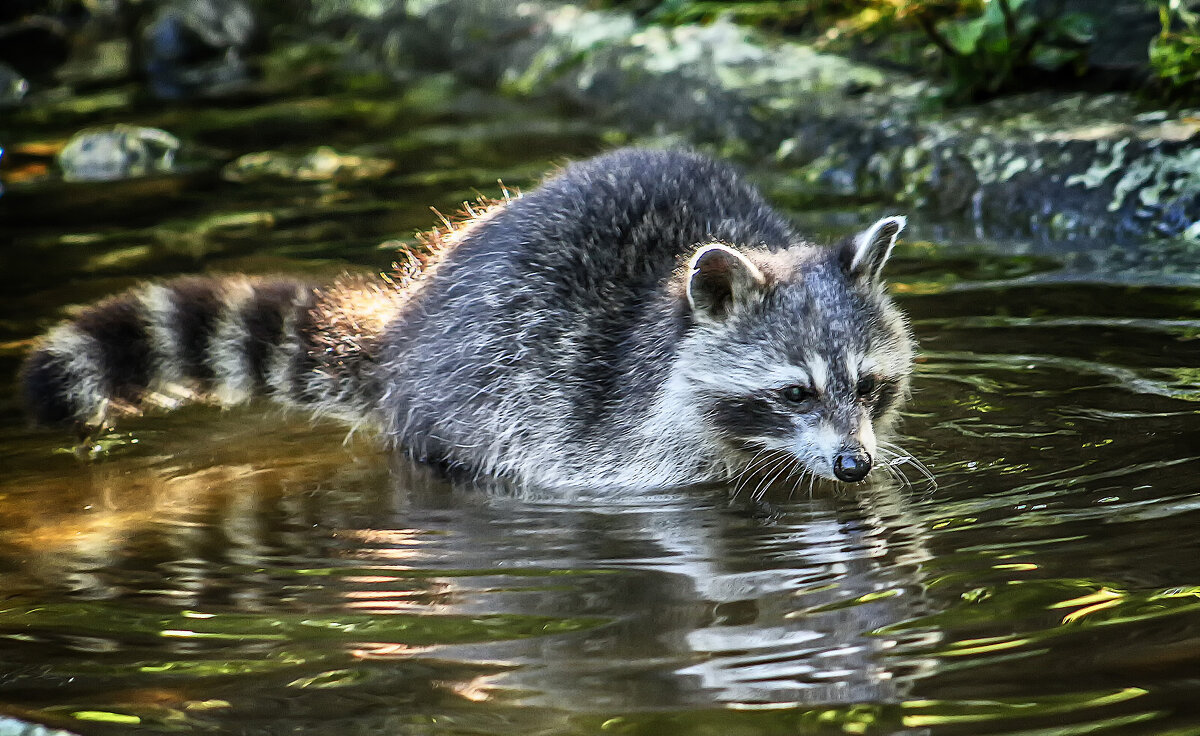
column 642, row 318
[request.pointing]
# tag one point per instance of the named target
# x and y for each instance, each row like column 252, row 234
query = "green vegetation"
column 1174, row 53
column 788, row 15
column 993, row 46
column 978, row 49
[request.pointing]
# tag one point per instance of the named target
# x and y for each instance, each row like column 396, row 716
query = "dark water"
column 244, row 572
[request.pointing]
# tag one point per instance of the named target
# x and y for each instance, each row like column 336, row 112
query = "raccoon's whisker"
column 748, row 471
column 763, row 478
column 889, row 456
column 783, row 472
column 924, row 471
column 894, row 473
column 902, row 457
column 799, row 474
column 890, row 450
column 781, row 468
column 754, row 458
column 774, row 460
column 769, row 476
column 891, row 459
column 761, row 489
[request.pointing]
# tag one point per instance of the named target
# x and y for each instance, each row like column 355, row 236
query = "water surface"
column 249, row 572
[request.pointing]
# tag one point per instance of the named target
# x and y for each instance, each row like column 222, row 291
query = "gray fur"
column 634, row 321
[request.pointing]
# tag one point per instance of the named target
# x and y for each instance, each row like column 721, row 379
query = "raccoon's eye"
column 797, row 394
column 867, row 385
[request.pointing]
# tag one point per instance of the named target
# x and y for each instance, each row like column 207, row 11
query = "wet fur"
column 631, row 321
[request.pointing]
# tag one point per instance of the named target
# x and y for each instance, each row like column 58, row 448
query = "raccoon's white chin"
column 822, row 469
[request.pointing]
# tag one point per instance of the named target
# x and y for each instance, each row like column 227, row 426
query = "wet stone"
column 119, row 152
column 1034, row 163
column 10, row 726
column 322, row 164
column 12, row 87
column 198, row 48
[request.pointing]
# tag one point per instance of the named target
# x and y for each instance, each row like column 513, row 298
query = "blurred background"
column 1012, row 114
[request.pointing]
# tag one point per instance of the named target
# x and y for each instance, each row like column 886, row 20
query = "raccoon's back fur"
column 642, row 317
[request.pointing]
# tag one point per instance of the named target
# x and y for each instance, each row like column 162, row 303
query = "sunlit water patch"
column 1060, row 417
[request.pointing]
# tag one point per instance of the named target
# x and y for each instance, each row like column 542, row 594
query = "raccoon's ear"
column 863, row 255
column 718, row 277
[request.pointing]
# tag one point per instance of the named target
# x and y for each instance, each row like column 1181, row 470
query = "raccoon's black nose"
column 852, row 466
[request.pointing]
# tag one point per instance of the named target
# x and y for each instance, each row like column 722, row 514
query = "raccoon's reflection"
column 669, row 598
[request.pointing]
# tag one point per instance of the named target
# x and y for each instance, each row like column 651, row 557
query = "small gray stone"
column 12, row 87
column 10, row 726
column 197, row 48
column 118, row 152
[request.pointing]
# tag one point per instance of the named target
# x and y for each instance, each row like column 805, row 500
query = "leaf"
column 103, row 716
column 993, row 15
column 964, row 36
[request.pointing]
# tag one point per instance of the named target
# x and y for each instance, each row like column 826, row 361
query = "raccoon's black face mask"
column 799, row 352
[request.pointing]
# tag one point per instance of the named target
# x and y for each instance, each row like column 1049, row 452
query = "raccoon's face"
column 798, row 356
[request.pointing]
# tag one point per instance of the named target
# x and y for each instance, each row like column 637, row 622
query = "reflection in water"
column 256, row 576
column 588, row 603
column 1062, row 575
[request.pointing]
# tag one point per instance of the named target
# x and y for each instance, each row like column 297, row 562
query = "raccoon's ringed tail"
column 64, row 380
column 221, row 339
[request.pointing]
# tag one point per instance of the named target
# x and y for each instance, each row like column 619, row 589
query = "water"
column 244, row 572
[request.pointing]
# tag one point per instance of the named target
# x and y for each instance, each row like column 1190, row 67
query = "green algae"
column 416, row 630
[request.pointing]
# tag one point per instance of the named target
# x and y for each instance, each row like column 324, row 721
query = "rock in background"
column 1051, row 163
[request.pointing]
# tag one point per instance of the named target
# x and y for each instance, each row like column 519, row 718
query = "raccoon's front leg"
column 224, row 339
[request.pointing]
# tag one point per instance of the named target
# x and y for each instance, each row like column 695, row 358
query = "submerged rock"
column 194, row 48
column 323, row 164
column 12, row 726
column 119, row 152
column 12, row 87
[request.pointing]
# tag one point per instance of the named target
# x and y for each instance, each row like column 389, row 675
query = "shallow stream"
column 246, row 572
